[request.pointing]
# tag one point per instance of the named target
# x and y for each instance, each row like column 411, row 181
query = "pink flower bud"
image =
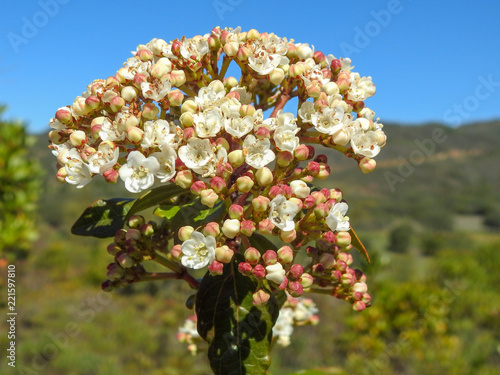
column 197, row 187
column 138, row 79
column 115, row 272
column 188, row 133
column 111, row 176
column 176, row 253
column 270, row 257
column 327, row 260
column 262, row 133
column 284, row 283
column 231, row 49
column 144, row 55
column 295, row 289
column 313, row 90
column 367, row 165
column 341, row 265
column 324, row 171
column 260, row 297
column 335, row 66
column 177, row 77
column 318, row 268
column 113, row 249
column 313, row 168
column 175, row 98
column 213, row 43
column 309, row 201
column 245, row 268
column 347, row 258
column 224, row 254
column 366, row 298
column 266, row 227
column 259, row 271
column 285, row 255
column 321, row 210
column 260, row 203
column 244, row 184
column 64, row 116
column 235, row 211
column 216, row 268
column 116, row 104
column 336, row 194
column 92, row 102
column 217, row 184
column 150, row 111
column 296, row 271
column 301, row 153
column 343, row 84
column 284, row 158
column 230, row 82
column 358, row 306
column 306, row 280
column 211, row 229
column 297, row 69
column 288, row 236
column 347, row 279
column 184, row 179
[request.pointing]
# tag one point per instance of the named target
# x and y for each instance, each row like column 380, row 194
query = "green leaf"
column 358, row 245
column 322, row 371
column 239, row 333
column 194, row 213
column 104, row 217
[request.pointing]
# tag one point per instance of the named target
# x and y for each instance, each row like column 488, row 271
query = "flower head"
column 198, row 251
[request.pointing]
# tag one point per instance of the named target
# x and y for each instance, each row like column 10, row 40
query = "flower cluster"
column 171, row 116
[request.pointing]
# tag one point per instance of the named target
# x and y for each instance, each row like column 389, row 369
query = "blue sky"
column 431, row 61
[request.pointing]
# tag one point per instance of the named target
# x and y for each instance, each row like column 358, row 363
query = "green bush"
column 20, row 176
column 400, row 238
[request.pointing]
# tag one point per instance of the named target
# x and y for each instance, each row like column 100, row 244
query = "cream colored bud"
column 331, row 88
column 129, row 93
column 78, row 138
column 277, row 76
column 231, row 228
column 186, row 119
column 244, row 184
column 236, row 158
column 185, row 233
column 189, row 106
column 342, row 137
column 264, row 176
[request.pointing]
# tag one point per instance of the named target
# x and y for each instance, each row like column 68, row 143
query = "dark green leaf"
column 194, row 213
column 261, row 243
column 102, row 218
column 155, row 197
column 239, row 333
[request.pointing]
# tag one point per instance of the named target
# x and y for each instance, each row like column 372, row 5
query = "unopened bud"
column 135, row 135
column 288, row 236
column 275, row 273
column 224, row 254
column 184, row 179
column 260, row 297
column 285, row 254
column 78, row 138
column 209, row 197
column 216, row 268
column 266, row 226
column 236, row 158
column 284, row 158
column 111, row 175
column 295, row 289
column 129, row 93
column 211, row 229
column 125, row 260
column 197, row 187
column 176, row 252
column 343, row 239
column 367, row 165
column 64, row 116
column 306, row 280
column 244, row 184
column 264, row 176
column 358, row 306
column 150, row 111
column 175, row 98
column 277, row 76
column 184, row 232
column 252, row 255
column 231, row 228
column 259, row 271
column 247, row 227
column 245, row 268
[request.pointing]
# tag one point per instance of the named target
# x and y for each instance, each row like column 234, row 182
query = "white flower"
column 157, row 89
column 238, row 126
column 285, row 138
column 304, row 310
column 77, row 171
column 257, row 153
column 245, row 97
column 305, row 111
column 104, row 159
column 283, row 328
column 336, row 219
column 275, row 273
column 189, row 328
column 366, row 143
column 330, row 121
column 157, row 134
column 197, row 153
column 195, row 47
column 300, row 188
column 207, row 97
column 166, row 159
column 139, row 171
column 219, row 156
column 360, row 88
column 282, row 212
column 208, row 123
column 198, row 252
column 267, row 54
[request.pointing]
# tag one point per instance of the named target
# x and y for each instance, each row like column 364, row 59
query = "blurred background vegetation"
column 432, row 235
